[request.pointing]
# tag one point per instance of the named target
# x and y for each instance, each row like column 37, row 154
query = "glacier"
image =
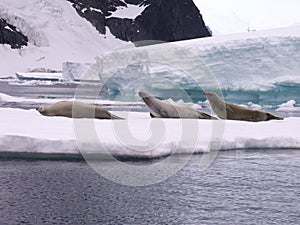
column 259, row 67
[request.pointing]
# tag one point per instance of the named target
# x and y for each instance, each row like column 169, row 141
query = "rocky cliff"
column 164, row 20
column 9, row 34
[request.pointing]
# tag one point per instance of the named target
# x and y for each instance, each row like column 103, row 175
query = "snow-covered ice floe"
column 28, row 132
column 289, row 106
column 29, row 76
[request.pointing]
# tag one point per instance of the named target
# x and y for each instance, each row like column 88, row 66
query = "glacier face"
column 254, row 64
column 258, row 67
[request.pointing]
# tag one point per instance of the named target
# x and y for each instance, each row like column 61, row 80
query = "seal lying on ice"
column 160, row 109
column 226, row 110
column 75, row 109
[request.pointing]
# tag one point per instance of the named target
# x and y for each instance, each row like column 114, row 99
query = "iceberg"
column 76, row 71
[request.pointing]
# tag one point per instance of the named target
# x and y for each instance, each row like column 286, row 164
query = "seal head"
column 161, row 109
column 225, row 110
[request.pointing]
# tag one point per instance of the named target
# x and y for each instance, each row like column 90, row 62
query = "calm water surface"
column 241, row 187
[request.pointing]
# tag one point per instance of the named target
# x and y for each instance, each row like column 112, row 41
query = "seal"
column 160, row 109
column 230, row 111
column 75, row 109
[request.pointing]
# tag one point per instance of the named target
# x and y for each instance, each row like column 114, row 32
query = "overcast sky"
column 236, row 16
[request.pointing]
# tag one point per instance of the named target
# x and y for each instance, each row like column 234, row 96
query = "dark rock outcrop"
column 163, row 20
column 10, row 35
column 85, row 8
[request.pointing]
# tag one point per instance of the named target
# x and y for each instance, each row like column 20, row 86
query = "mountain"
column 11, row 35
column 46, row 33
column 138, row 20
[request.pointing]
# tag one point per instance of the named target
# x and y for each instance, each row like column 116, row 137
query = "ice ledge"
column 28, row 131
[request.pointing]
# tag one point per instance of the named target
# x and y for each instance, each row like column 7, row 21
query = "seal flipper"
column 153, row 116
column 206, row 116
column 109, row 115
column 272, row 117
column 114, row 117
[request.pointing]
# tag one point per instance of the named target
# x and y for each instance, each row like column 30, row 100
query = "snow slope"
column 234, row 16
column 56, row 34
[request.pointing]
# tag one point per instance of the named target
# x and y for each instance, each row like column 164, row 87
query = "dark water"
column 244, row 187
column 51, row 90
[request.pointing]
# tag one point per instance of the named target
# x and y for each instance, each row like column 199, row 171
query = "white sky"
column 236, row 16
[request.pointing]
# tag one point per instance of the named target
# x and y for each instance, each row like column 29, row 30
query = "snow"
column 235, row 60
column 254, row 106
column 96, row 10
column 74, row 70
column 251, row 105
column 289, row 106
column 28, row 131
column 286, row 79
column 56, row 34
column 8, row 28
column 258, row 61
column 235, row 16
column 39, row 75
column 250, row 61
column 8, row 98
column 129, row 12
column 293, row 31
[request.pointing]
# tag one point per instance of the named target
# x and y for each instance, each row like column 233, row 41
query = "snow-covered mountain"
column 46, row 33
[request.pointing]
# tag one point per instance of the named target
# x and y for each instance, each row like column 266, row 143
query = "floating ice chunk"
column 7, row 98
column 254, row 106
column 289, row 106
